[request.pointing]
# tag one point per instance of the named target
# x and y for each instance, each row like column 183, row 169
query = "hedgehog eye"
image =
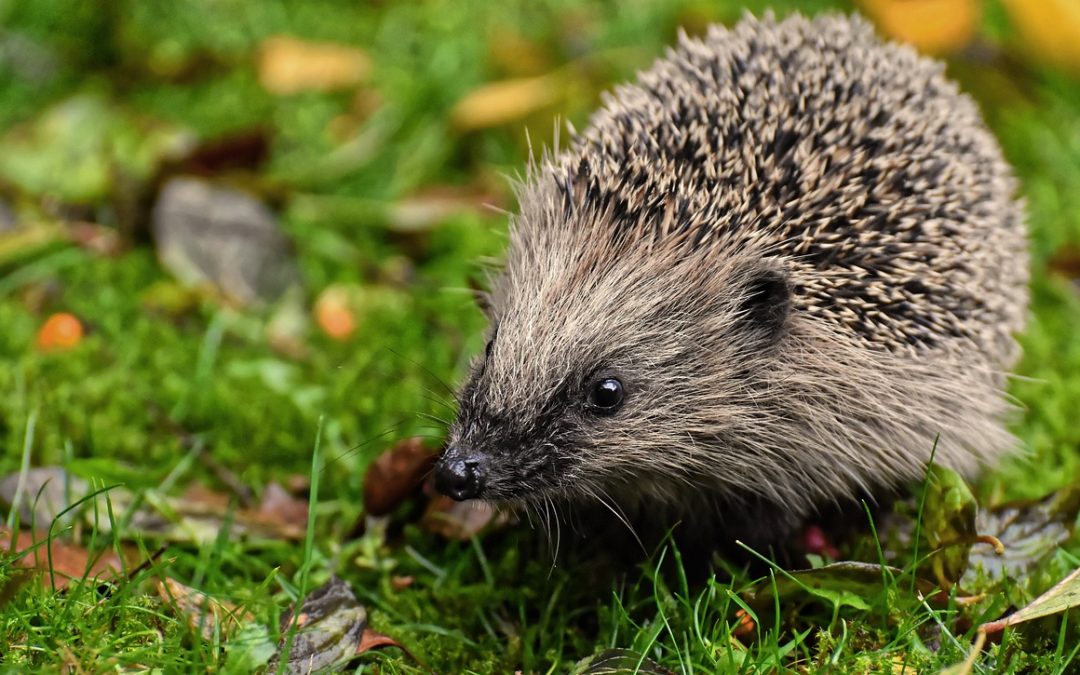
column 606, row 396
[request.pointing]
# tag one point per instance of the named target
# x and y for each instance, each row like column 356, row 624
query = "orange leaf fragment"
column 334, row 314
column 60, row 331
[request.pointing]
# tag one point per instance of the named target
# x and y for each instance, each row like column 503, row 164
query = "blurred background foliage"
column 382, row 137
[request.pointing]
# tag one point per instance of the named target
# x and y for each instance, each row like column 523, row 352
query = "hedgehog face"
column 581, row 393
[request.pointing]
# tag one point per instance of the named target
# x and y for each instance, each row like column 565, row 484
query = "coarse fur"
column 800, row 252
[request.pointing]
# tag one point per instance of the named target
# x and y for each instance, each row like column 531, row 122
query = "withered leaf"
column 841, row 583
column 461, row 520
column 1063, row 596
column 289, row 66
column 396, row 475
column 1030, row 532
column 69, row 562
column 329, row 628
column 203, row 613
column 617, row 661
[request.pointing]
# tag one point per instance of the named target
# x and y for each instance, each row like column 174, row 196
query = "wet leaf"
column 325, row 633
column 461, row 520
column 1030, row 531
column 932, row 26
column 1064, row 596
column 618, row 661
column 212, row 234
column 69, row 562
column 289, row 66
column 203, row 613
column 499, row 103
column 1050, row 28
column 200, row 514
column 396, row 475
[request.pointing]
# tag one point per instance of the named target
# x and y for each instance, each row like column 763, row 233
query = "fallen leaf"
column 617, row 661
column 461, row 520
column 204, row 613
column 1030, row 531
column 334, row 314
column 98, row 239
column 499, row 103
column 841, row 583
column 396, row 475
column 400, row 583
column 200, row 514
column 375, row 640
column 425, row 210
column 1066, row 262
column 278, row 506
column 60, row 332
column 933, row 26
column 69, row 562
column 1065, row 595
column 288, row 65
column 325, row 633
column 1050, row 28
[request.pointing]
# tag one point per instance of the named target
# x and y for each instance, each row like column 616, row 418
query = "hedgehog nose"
column 459, row 476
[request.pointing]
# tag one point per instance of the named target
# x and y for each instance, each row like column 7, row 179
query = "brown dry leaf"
column 498, row 103
column 278, row 506
column 69, row 561
column 1050, row 28
column 375, row 640
column 200, row 514
column 1066, row 262
column 932, row 26
column 396, row 475
column 461, row 520
column 203, row 612
column 289, row 66
column 426, row 209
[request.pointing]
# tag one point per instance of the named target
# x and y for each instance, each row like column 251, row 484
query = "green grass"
column 111, row 409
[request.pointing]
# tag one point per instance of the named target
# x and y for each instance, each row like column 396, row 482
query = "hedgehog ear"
column 766, row 302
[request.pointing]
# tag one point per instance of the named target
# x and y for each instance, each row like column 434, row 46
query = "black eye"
column 606, row 396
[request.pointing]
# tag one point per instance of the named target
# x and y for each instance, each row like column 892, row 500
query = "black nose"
column 458, row 476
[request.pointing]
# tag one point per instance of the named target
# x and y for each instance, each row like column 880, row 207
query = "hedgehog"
column 778, row 273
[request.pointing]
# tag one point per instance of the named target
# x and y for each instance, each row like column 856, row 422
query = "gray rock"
column 207, row 233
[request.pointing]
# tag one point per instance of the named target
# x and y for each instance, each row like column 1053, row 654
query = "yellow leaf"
column 498, row 103
column 1050, row 29
column 289, row 66
column 932, row 26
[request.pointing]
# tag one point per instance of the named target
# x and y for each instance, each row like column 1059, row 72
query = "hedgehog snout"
column 460, row 474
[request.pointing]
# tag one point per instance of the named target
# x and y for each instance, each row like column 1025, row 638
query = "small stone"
column 208, row 233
